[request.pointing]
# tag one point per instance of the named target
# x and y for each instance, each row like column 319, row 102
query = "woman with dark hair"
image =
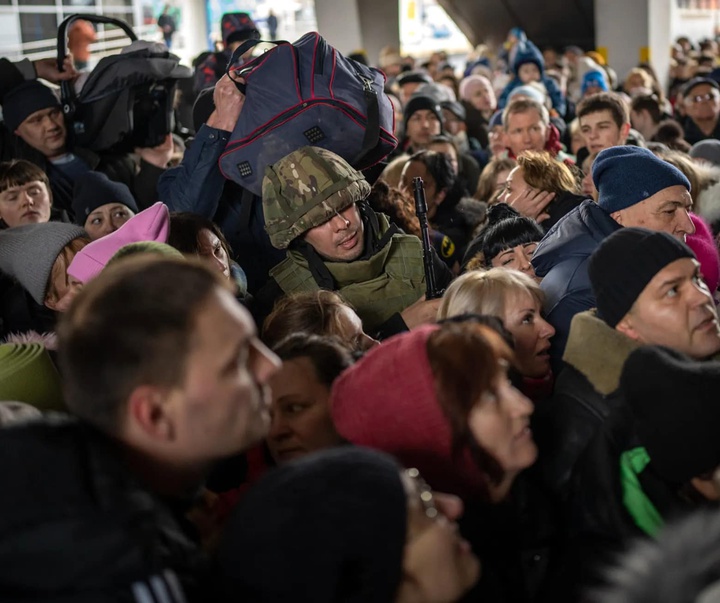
column 508, row 241
column 300, row 421
column 451, row 212
column 193, row 234
column 319, row 313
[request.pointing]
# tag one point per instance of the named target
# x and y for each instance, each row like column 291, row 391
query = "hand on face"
column 532, row 203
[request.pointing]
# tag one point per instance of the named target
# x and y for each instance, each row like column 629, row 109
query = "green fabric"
column 377, row 288
column 646, row 516
column 28, row 375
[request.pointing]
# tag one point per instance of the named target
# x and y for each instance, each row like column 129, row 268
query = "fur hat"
column 626, row 175
column 28, row 253
column 623, row 265
column 674, row 401
column 94, row 189
column 387, row 401
column 152, row 224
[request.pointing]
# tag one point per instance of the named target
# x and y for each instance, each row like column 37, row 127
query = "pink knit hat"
column 703, row 245
column 387, row 401
column 151, row 224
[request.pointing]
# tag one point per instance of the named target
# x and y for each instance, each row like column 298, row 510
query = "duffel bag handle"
column 67, row 91
column 241, row 50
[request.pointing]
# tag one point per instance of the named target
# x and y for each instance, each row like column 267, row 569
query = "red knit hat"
column 387, row 401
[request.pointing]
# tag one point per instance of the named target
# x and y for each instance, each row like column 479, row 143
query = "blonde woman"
column 516, row 299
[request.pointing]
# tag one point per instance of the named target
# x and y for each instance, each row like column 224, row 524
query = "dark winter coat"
column 586, row 391
column 76, row 527
column 561, row 261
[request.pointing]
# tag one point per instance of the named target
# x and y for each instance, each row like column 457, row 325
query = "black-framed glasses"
column 424, row 492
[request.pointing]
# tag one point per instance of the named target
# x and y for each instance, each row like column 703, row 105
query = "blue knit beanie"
column 627, row 175
column 594, row 78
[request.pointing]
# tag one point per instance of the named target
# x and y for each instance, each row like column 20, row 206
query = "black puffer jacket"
column 75, row 527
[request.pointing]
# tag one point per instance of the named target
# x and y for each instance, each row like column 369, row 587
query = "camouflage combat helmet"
column 305, row 189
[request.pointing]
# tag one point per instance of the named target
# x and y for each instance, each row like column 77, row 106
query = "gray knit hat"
column 28, row 253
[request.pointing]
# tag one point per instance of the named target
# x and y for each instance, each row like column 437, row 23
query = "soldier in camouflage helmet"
column 308, row 188
column 314, row 205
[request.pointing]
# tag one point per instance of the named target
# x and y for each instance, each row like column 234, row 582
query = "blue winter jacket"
column 561, row 260
column 529, row 53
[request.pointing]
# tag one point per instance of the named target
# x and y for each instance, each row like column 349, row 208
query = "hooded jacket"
column 561, row 261
column 527, row 52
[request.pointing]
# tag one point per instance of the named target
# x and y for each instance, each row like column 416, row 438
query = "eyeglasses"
column 700, row 98
column 424, row 492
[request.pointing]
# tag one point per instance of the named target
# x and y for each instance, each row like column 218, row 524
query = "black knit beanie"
column 677, row 415
column 624, row 263
column 329, row 527
column 95, row 189
column 418, row 103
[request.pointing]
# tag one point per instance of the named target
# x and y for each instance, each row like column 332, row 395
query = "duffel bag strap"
column 372, row 131
column 241, row 50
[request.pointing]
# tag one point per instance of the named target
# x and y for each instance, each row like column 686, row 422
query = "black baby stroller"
column 127, row 100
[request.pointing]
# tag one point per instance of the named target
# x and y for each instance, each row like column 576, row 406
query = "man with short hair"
column 165, row 376
column 646, row 115
column 701, row 101
column 635, row 188
column 527, row 127
column 649, row 291
column 604, row 121
column 314, row 205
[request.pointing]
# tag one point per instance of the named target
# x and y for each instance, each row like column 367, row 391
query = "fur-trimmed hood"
column 708, row 204
column 598, row 351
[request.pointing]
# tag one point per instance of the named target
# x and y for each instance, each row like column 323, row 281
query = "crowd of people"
column 214, row 395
